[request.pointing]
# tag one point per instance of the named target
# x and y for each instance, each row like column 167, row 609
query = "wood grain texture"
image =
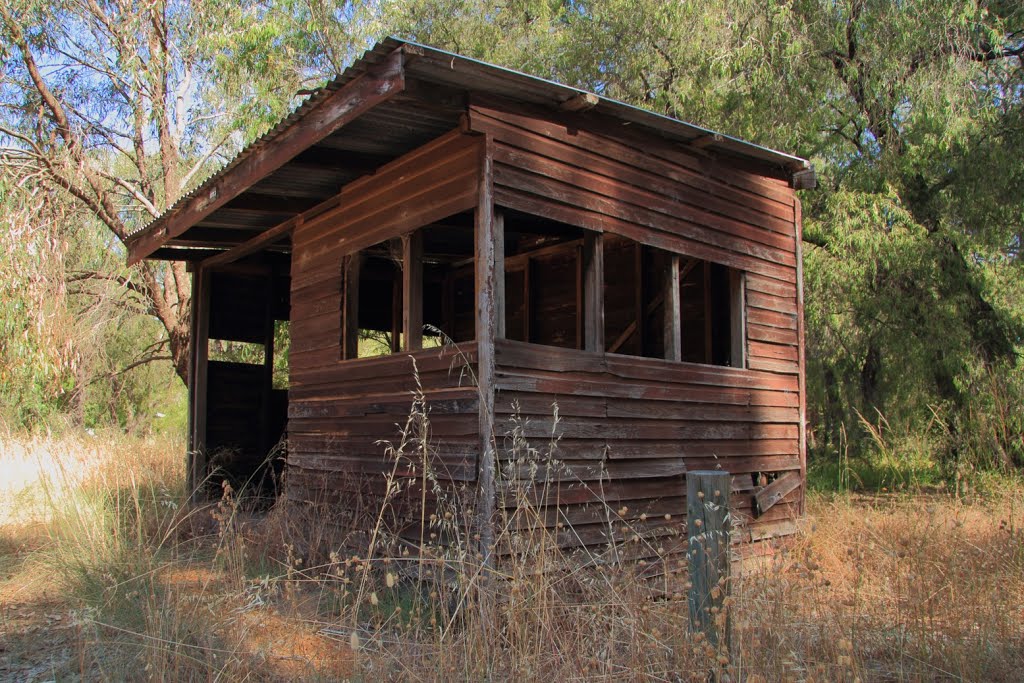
column 708, row 528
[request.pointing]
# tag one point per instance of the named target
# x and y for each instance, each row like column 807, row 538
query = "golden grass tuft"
column 107, row 574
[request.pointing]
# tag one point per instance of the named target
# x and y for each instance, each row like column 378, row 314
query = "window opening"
column 709, row 299
column 282, row 345
column 228, row 351
column 543, row 281
column 442, row 300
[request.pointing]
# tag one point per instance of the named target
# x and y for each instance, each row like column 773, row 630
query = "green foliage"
column 912, row 112
column 75, row 340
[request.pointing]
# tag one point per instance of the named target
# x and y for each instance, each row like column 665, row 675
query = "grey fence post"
column 708, row 525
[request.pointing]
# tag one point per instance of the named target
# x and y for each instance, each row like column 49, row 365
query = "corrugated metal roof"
column 464, row 73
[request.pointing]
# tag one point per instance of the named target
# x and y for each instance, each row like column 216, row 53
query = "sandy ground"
column 37, row 469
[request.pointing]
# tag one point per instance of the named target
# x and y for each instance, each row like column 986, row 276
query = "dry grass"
column 103, row 575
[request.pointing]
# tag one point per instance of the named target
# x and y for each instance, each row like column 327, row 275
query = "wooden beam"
column 412, row 291
column 593, row 291
column 673, row 320
column 486, row 333
column 264, row 239
column 581, row 102
column 623, row 338
column 350, row 306
column 376, row 85
column 702, row 141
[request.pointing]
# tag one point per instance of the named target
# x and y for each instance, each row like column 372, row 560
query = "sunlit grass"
column 895, row 587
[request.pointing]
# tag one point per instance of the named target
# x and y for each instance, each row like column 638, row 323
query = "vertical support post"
column 527, row 308
column 708, row 351
column 268, row 364
column 638, row 300
column 199, row 357
column 798, row 221
column 498, row 232
column 738, row 318
column 350, row 306
column 412, row 290
column 579, row 297
column 673, row 319
column 396, row 313
column 486, row 273
column 593, row 291
column 708, row 526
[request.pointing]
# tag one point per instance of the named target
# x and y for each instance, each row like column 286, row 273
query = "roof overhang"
column 398, row 96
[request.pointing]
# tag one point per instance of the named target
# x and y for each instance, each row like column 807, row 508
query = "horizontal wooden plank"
column 771, row 302
column 767, row 285
column 579, row 384
column 773, row 335
column 684, row 215
column 658, row 429
column 643, row 220
column 787, row 352
column 533, row 203
column 510, row 355
column 729, row 182
column 759, row 316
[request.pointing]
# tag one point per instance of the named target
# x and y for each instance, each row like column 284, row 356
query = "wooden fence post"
column 708, row 524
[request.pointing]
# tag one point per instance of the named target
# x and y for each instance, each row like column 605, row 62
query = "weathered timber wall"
column 649, row 192
column 339, row 410
column 627, row 431
column 630, row 427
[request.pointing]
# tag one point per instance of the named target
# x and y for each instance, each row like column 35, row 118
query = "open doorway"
column 239, row 384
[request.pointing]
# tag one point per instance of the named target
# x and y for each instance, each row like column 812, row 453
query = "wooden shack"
column 546, row 266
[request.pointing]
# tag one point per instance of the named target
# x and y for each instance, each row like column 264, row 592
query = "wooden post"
column 738, row 318
column 638, row 301
column 708, row 352
column 268, row 365
column 396, row 312
column 412, row 291
column 350, row 307
column 798, row 222
column 708, row 524
column 199, row 358
column 498, row 235
column 486, row 273
column 673, row 321
column 593, row 291
column 579, row 297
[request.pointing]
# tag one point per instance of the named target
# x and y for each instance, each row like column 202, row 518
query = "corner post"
column 488, row 270
column 798, row 222
column 198, row 369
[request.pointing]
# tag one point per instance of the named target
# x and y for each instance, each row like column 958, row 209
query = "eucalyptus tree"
column 122, row 106
column 912, row 113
